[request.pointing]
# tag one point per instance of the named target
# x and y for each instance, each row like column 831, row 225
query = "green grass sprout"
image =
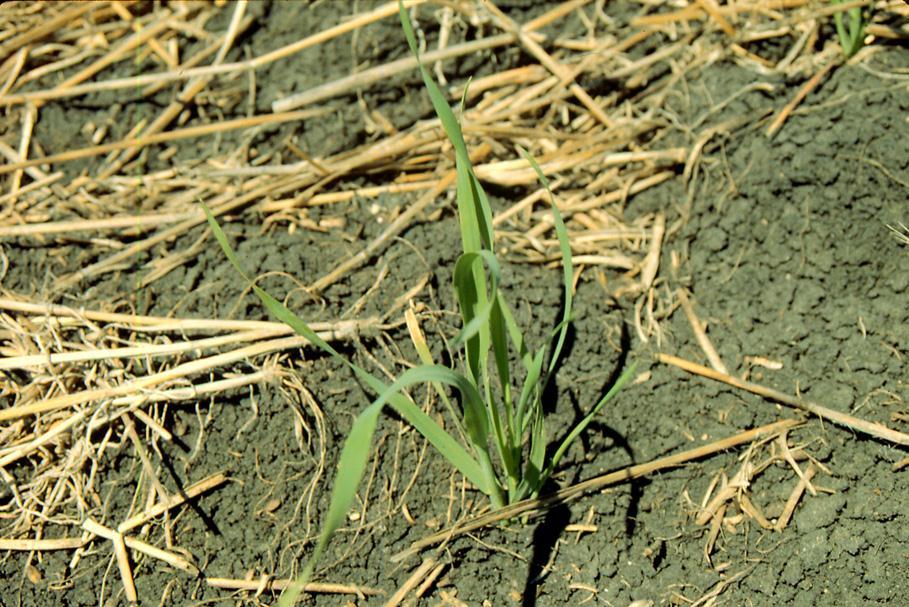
column 853, row 37
column 504, row 450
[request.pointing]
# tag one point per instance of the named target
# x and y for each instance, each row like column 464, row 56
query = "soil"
column 783, row 244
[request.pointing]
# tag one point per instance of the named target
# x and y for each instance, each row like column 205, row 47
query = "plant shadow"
column 557, row 518
column 545, row 537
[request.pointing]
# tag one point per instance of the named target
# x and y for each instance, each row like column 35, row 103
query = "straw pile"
column 74, row 380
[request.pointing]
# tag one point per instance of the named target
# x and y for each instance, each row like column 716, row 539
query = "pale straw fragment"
column 145, row 350
column 42, row 545
column 57, row 430
column 753, row 511
column 803, row 92
column 386, row 10
column 130, row 404
column 713, row 10
column 12, row 157
column 794, row 498
column 126, row 572
column 366, row 77
column 346, row 196
column 138, row 322
column 174, row 560
column 278, row 584
column 157, row 428
column 198, row 488
column 185, row 133
column 411, row 582
column 383, row 72
column 429, row 580
column 149, row 381
column 38, row 184
column 651, row 263
column 192, row 88
column 47, row 27
column 121, row 50
column 89, row 225
column 565, row 75
column 871, row 428
column 783, row 444
column 700, row 333
column 29, row 116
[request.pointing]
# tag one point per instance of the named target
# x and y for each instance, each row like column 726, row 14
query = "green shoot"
column 851, row 38
column 503, row 449
column 356, row 448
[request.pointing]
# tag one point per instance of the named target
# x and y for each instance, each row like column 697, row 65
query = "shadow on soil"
column 548, row 532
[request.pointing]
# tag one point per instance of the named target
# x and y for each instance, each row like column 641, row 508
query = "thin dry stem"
column 871, row 428
column 594, row 484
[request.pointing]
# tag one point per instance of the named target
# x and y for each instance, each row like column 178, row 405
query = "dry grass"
column 73, row 381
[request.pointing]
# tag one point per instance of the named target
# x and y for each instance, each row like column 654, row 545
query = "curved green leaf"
column 582, row 425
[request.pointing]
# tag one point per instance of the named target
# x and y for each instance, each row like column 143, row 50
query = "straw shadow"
column 192, row 502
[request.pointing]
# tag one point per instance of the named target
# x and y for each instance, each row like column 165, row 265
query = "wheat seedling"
column 506, row 455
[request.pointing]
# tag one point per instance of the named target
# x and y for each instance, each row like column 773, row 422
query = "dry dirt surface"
column 737, row 197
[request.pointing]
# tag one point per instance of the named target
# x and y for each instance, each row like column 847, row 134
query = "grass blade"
column 475, row 307
column 422, row 348
column 851, row 39
column 582, row 425
column 567, row 266
column 351, row 467
column 422, row 422
column 355, row 452
column 474, row 213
